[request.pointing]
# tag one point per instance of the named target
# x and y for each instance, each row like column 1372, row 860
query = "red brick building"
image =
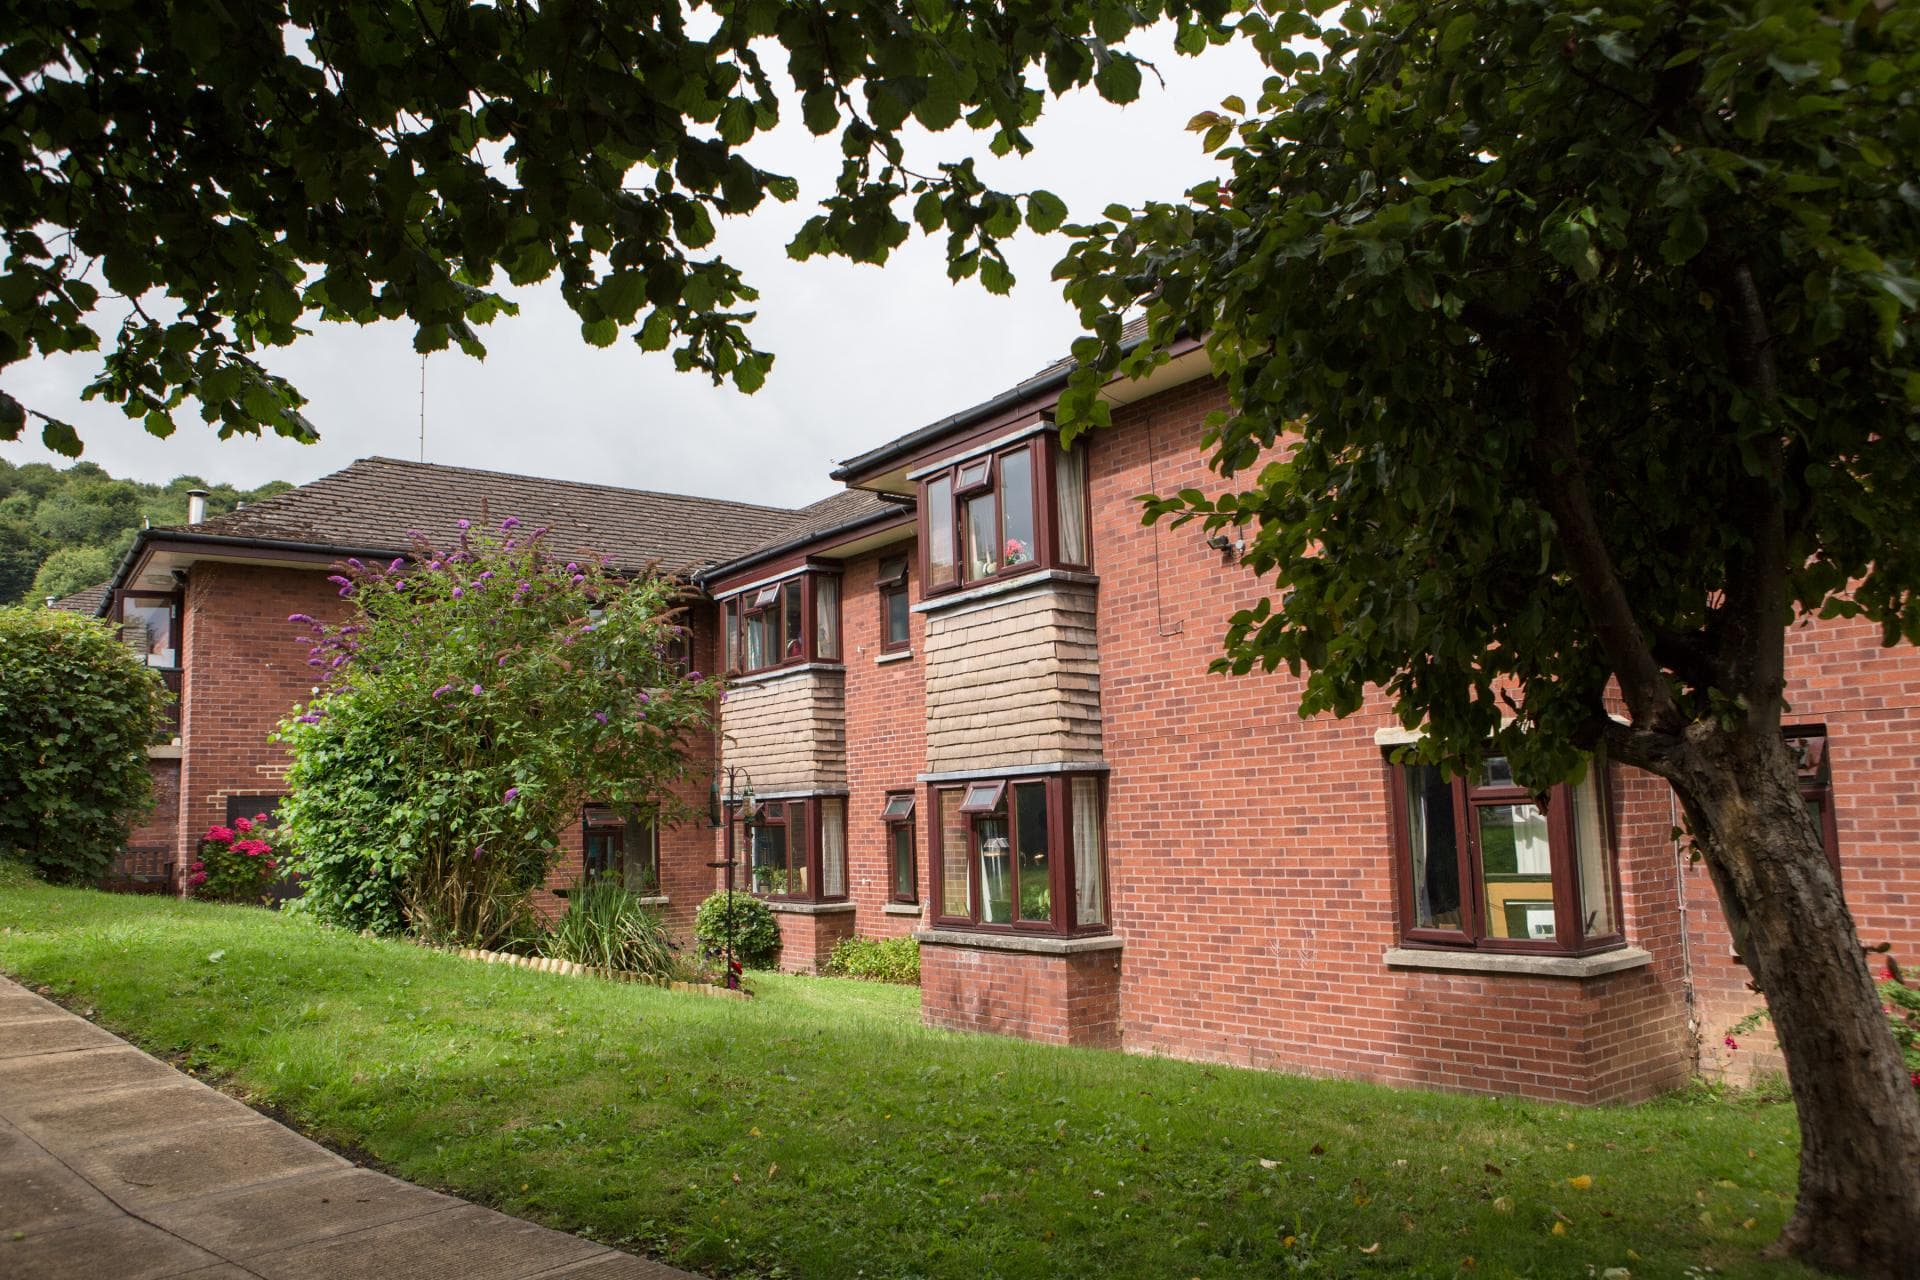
column 970, row 698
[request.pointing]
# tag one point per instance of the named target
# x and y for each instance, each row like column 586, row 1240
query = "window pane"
column 996, row 870
column 897, row 618
column 1030, row 831
column 940, row 563
column 901, row 841
column 733, row 635
column 893, row 572
column 1016, row 507
column 953, row 858
column 1594, row 857
column 770, row 860
column 793, row 635
column 1089, row 869
column 1434, row 845
column 973, row 474
column 982, row 557
column 641, row 873
column 1070, row 521
column 602, row 850
column 148, row 631
column 833, row 848
column 1515, row 858
column 759, row 640
column 984, row 797
column 826, row 616
column 765, row 597
column 898, row 808
column 1496, row 772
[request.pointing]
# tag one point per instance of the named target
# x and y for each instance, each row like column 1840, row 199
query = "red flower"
column 222, row 835
column 259, row 817
column 1732, row 1045
column 241, row 824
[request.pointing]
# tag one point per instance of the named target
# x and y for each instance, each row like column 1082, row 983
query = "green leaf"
column 1686, row 236
column 1045, row 211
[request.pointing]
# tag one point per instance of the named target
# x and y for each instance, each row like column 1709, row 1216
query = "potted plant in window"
column 1017, row 552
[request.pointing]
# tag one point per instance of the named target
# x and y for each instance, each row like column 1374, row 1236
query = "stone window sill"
column 782, row 673
column 1037, row 944
column 808, row 908
column 901, row 655
column 1593, row 966
column 1000, row 587
column 164, row 751
column 902, row 908
column 656, row 900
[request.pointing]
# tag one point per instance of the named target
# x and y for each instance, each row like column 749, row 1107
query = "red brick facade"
column 1250, row 854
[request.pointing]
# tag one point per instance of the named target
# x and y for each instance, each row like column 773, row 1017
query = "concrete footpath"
column 115, row 1166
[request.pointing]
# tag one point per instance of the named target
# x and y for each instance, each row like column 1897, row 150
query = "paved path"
column 114, row 1166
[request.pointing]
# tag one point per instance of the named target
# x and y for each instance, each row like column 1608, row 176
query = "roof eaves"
column 760, row 554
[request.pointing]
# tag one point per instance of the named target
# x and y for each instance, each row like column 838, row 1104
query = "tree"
column 1570, row 357
column 71, row 569
column 270, row 164
column 477, row 698
column 77, row 710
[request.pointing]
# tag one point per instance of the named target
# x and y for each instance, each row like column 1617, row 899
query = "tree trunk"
column 1858, row 1210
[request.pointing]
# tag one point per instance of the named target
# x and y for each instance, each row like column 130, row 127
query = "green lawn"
column 820, row 1131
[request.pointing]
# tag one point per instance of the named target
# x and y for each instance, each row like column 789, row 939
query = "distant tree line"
column 64, row 531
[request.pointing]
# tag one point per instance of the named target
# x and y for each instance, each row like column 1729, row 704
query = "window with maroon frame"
column 1006, row 512
column 615, row 848
column 1486, row 863
column 903, row 869
column 783, row 623
column 797, row 849
column 150, row 626
column 1814, row 769
column 1020, row 854
column 896, row 633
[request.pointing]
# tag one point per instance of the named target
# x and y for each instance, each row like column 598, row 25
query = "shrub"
column 77, row 710
column 756, row 934
column 606, row 927
column 481, row 694
column 236, row 863
column 877, row 959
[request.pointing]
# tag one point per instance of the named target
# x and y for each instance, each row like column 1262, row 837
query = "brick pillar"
column 809, row 932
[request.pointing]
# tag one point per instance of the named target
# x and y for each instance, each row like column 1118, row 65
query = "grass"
column 820, row 1131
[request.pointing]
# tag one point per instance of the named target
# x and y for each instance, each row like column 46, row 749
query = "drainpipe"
column 196, row 506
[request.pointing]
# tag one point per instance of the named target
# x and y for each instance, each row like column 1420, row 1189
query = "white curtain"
column 833, row 848
column 1089, row 869
column 1070, row 476
column 826, row 609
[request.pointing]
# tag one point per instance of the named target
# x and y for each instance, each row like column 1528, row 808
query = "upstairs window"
column 1815, row 772
column 782, row 623
column 1002, row 513
column 895, row 632
column 1021, row 855
column 150, row 626
column 1485, row 863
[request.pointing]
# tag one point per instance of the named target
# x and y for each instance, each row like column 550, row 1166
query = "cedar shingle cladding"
column 1014, row 679
column 376, row 502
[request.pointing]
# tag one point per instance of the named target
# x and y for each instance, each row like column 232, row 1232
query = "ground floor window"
column 903, row 868
column 1483, row 862
column 617, row 849
column 795, row 848
column 1814, row 767
column 1022, row 854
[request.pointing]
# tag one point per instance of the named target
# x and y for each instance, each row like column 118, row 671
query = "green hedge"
column 877, row 959
column 756, row 934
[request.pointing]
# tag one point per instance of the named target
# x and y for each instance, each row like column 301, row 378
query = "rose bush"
column 236, row 864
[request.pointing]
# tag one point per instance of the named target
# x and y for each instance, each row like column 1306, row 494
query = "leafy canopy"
column 1562, row 343
column 478, row 697
column 77, row 710
column 266, row 165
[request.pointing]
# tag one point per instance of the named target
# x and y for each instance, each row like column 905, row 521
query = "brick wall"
column 807, row 939
column 1058, row 999
column 145, row 863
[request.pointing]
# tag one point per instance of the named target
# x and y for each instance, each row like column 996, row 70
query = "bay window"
column 1020, row 854
column 777, row 624
column 1004, row 512
column 1485, row 863
column 796, row 849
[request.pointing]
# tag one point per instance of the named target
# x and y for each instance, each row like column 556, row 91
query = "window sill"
column 777, row 673
column 807, row 908
column 1001, row 586
column 659, row 900
column 900, row 655
column 165, row 751
column 1592, row 966
column 902, row 908
column 1037, row 944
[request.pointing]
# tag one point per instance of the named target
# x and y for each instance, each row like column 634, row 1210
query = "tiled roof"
column 375, row 502
column 844, row 510
column 87, row 601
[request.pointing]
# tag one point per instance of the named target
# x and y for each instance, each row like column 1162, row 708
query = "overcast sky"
column 864, row 353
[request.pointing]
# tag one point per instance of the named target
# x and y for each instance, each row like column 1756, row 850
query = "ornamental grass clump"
column 479, row 696
column 236, row 863
column 607, row 927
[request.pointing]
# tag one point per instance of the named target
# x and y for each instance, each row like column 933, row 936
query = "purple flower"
column 302, row 618
column 512, row 793
column 399, row 584
column 601, row 716
column 457, row 593
column 397, row 562
column 485, row 576
column 645, row 698
column 503, row 660
column 344, row 592
column 443, row 689
column 478, row 690
column 434, row 563
column 572, row 567
column 315, row 662
column 308, row 719
column 356, row 562
column 334, row 577
column 693, row 675
column 578, row 577
column 464, row 524
column 481, row 847
column 509, row 523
